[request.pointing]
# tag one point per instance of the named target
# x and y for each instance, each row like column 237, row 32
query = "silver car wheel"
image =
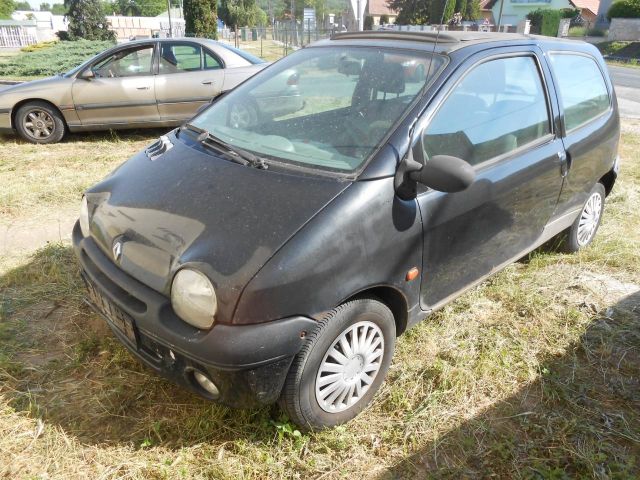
column 38, row 124
column 349, row 367
column 589, row 219
column 242, row 116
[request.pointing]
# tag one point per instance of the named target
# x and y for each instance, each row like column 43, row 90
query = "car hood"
column 191, row 207
column 43, row 88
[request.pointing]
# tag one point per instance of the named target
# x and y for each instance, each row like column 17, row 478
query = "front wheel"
column 584, row 229
column 342, row 365
column 39, row 122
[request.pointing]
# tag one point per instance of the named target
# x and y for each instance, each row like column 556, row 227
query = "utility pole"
column 169, row 13
column 500, row 15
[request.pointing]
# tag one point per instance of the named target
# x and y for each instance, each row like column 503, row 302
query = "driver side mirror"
column 87, row 74
column 445, row 173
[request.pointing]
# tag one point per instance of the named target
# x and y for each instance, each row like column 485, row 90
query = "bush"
column 546, row 21
column 58, row 57
column 596, row 32
column 384, row 19
column 368, row 22
column 624, row 9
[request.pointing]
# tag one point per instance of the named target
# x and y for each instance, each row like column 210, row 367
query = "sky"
column 35, row 4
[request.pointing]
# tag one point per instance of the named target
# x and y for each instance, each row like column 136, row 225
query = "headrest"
column 387, row 77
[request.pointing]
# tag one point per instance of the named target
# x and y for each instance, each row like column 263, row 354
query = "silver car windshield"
column 326, row 108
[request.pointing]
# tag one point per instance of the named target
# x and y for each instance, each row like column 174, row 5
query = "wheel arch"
column 608, row 180
column 16, row 107
column 393, row 298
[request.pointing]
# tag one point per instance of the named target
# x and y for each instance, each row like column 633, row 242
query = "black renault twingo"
column 258, row 258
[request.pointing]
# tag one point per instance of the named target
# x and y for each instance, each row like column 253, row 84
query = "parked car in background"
column 145, row 83
column 278, row 259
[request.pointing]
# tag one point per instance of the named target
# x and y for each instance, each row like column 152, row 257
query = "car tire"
column 363, row 333
column 586, row 225
column 40, row 122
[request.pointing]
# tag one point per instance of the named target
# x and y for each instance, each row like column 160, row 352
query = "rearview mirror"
column 445, row 174
column 87, row 74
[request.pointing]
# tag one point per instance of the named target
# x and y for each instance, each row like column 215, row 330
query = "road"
column 626, row 81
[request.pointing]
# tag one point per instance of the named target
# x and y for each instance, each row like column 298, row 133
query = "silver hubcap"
column 39, row 124
column 349, row 367
column 589, row 219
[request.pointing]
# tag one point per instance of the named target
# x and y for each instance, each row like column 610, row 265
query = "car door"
column 189, row 76
column 496, row 116
column 121, row 90
column 590, row 124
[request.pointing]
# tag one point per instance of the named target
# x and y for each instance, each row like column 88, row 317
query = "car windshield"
column 324, row 107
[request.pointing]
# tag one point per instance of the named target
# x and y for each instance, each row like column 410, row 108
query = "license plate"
column 123, row 322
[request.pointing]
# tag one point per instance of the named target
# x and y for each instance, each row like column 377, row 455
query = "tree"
column 411, row 12
column 240, row 13
column 87, row 21
column 368, row 23
column 58, row 9
column 442, row 11
column 6, row 9
column 22, row 6
column 45, row 7
column 384, row 19
column 472, row 10
column 200, row 18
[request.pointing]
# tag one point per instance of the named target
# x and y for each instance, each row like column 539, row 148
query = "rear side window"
column 583, row 91
column 499, row 106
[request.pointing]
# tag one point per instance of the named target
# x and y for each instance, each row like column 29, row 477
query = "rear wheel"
column 342, row 365
column 584, row 229
column 39, row 122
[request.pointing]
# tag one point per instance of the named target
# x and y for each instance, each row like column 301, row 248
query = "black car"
column 258, row 258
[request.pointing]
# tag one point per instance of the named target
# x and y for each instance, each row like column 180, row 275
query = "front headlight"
column 193, row 298
column 84, row 217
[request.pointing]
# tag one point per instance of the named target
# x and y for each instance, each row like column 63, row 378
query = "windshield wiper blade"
column 236, row 154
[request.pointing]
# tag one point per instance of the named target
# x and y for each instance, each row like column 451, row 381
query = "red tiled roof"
column 593, row 5
column 379, row 7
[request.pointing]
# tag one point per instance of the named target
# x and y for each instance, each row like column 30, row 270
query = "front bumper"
column 248, row 363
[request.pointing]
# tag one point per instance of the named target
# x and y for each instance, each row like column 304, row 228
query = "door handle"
column 563, row 156
column 147, row 87
column 208, row 82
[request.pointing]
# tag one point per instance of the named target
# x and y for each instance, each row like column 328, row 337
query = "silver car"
column 145, row 83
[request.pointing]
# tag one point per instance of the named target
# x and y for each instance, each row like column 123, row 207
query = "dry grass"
column 39, row 177
column 534, row 374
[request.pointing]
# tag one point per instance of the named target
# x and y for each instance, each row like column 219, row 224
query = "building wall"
column 625, row 29
column 516, row 10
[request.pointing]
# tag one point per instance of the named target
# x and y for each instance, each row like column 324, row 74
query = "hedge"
column 546, row 21
column 624, row 9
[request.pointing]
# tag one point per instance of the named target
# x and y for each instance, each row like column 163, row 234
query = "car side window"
column 499, row 106
column 583, row 91
column 179, row 58
column 126, row 63
column 211, row 62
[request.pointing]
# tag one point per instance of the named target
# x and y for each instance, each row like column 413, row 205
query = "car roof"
column 447, row 41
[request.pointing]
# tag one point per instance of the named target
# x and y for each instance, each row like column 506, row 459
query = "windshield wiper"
column 236, row 154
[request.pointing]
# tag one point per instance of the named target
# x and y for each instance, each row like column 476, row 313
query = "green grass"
column 534, row 374
column 58, row 57
column 629, row 50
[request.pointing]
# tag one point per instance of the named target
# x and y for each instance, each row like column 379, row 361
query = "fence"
column 16, row 36
column 273, row 42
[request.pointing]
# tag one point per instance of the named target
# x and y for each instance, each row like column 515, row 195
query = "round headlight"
column 84, row 217
column 193, row 298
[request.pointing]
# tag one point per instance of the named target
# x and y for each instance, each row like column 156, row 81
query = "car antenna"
column 435, row 44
